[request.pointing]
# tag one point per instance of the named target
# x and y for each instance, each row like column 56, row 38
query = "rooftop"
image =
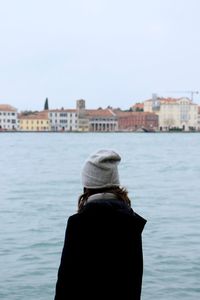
column 100, row 112
column 132, row 113
column 61, row 110
column 38, row 116
column 169, row 99
column 7, row 107
column 138, row 105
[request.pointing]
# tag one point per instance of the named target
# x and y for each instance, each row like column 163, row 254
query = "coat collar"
column 102, row 196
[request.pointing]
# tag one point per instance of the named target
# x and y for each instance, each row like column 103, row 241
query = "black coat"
column 102, row 254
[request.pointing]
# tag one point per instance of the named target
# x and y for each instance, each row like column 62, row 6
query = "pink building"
column 133, row 121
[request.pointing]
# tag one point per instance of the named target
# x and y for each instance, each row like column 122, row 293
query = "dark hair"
column 120, row 192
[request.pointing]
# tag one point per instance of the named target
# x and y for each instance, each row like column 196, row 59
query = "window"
column 63, row 115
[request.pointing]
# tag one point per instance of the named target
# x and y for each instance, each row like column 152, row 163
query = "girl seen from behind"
column 102, row 254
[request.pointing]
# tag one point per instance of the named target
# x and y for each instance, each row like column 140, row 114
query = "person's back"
column 102, row 254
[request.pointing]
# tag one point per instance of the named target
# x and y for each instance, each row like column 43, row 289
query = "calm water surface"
column 39, row 187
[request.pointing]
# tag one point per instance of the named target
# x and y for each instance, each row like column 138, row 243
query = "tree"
column 46, row 105
column 139, row 109
column 29, row 112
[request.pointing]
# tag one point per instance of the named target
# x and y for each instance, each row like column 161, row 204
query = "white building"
column 102, row 120
column 63, row 120
column 8, row 118
column 198, row 118
column 181, row 113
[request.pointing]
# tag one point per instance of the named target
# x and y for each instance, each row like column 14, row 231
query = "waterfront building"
column 137, row 107
column 174, row 113
column 34, row 122
column 63, row 119
column 198, row 118
column 137, row 121
column 83, row 120
column 103, row 120
column 8, row 118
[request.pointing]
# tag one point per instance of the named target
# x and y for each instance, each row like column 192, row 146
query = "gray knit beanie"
column 101, row 170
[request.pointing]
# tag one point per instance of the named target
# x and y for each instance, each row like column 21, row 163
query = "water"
column 39, row 187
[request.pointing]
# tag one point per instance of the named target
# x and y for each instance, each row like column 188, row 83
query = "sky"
column 108, row 52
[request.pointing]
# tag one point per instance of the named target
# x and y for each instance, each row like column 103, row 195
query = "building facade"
column 83, row 120
column 102, row 120
column 63, row 120
column 137, row 121
column 198, row 118
column 174, row 114
column 8, row 118
column 34, row 122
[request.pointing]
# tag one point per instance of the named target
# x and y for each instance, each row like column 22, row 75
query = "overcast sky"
column 107, row 52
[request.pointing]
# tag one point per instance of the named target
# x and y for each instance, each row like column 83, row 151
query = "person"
column 102, row 256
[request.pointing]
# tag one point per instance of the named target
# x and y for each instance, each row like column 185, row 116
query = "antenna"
column 192, row 93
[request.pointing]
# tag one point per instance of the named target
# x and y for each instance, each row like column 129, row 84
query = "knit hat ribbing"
column 101, row 170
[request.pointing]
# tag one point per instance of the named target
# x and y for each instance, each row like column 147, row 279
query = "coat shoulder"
column 107, row 212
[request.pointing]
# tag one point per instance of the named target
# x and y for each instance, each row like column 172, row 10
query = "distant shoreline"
column 99, row 132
